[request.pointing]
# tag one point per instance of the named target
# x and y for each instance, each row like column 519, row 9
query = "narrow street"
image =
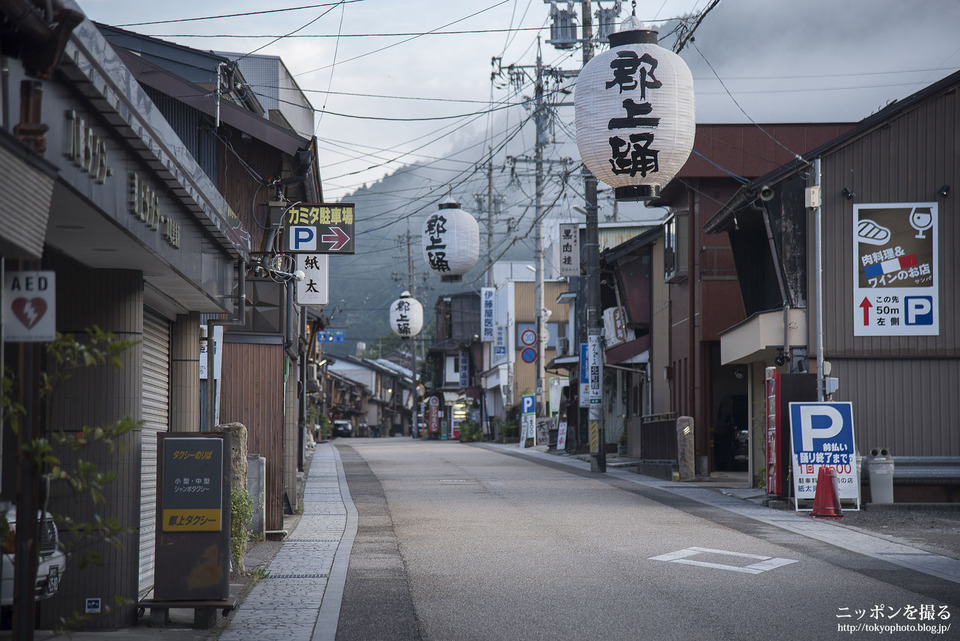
column 482, row 542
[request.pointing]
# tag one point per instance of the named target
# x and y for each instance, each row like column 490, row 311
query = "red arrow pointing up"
column 866, row 305
column 339, row 239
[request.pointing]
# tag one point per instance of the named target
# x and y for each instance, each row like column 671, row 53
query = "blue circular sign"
column 528, row 354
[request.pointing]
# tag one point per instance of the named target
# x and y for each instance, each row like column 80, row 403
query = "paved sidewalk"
column 299, row 598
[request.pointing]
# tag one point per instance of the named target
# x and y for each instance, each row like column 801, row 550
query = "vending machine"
column 781, row 390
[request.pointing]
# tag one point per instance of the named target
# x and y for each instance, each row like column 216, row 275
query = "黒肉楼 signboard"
column 895, row 279
column 821, row 435
column 192, row 499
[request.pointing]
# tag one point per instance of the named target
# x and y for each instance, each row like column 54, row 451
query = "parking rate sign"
column 822, row 436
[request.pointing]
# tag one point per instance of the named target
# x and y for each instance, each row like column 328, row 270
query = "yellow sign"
column 191, row 520
column 594, row 436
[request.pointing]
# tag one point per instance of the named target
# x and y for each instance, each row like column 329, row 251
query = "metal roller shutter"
column 155, row 415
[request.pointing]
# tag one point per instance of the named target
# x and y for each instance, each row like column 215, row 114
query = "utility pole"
column 412, row 268
column 490, row 220
column 591, row 256
column 541, row 116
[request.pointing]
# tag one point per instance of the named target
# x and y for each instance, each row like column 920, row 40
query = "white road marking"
column 763, row 564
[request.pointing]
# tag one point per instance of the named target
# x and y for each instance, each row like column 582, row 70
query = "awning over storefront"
column 761, row 337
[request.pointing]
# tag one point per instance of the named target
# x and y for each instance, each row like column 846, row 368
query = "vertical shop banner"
column 821, row 435
column 464, row 368
column 595, row 366
column 584, row 376
column 314, row 289
column 569, row 249
column 895, row 263
column 487, row 315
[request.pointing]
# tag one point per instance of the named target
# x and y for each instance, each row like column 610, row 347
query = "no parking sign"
column 822, row 436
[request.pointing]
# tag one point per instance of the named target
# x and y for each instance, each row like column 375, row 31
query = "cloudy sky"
column 399, row 81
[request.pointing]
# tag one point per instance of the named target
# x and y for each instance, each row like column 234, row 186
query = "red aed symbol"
column 29, row 311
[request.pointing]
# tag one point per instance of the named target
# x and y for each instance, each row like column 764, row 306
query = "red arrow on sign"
column 339, row 239
column 866, row 305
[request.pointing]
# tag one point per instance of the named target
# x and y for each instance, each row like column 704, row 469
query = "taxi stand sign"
column 822, row 436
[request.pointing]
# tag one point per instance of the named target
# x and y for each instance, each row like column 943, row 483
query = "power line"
column 237, row 15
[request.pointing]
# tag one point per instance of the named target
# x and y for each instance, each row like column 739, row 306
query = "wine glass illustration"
column 921, row 219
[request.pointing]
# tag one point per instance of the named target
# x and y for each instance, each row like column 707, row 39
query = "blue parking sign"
column 822, row 436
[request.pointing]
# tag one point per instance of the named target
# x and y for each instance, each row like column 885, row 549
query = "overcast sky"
column 363, row 62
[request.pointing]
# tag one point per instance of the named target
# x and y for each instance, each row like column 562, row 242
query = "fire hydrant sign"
column 192, row 498
column 895, row 279
column 29, row 307
column 822, row 436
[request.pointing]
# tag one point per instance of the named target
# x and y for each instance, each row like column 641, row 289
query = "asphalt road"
column 460, row 542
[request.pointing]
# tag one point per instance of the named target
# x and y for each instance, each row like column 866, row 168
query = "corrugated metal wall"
column 257, row 367
column 156, row 419
column 112, row 300
column 903, row 389
column 193, row 128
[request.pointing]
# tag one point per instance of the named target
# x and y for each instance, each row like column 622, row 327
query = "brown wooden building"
column 887, row 189
column 703, row 297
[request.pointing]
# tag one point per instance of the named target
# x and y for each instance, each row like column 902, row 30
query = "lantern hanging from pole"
column 451, row 242
column 635, row 113
column 406, row 316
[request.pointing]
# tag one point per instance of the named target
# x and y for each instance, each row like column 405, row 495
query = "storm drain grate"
column 312, row 541
column 296, row 576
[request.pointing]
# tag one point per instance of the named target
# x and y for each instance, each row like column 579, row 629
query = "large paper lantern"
column 635, row 113
column 451, row 242
column 406, row 316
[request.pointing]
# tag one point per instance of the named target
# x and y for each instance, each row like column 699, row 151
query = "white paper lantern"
column 406, row 316
column 451, row 242
column 635, row 113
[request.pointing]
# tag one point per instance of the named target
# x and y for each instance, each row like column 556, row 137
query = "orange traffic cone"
column 826, row 502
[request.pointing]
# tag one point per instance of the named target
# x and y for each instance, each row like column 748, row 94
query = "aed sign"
column 29, row 307
column 822, row 436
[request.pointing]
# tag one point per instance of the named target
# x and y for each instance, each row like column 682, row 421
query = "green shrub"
column 470, row 431
column 241, row 511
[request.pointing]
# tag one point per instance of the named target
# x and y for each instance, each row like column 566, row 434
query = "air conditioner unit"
column 312, row 372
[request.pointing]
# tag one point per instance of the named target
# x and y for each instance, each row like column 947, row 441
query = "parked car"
column 342, row 428
column 51, row 565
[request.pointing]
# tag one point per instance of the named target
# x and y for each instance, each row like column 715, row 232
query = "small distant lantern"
column 635, row 113
column 406, row 316
column 451, row 242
